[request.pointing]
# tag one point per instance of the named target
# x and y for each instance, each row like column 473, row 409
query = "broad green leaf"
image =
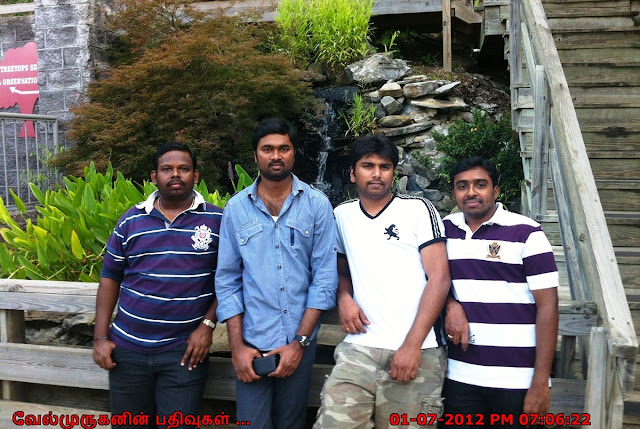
column 19, row 204
column 43, row 260
column 6, row 261
column 89, row 200
column 31, row 271
column 40, row 196
column 76, row 246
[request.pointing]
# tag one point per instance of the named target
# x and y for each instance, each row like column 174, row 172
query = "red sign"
column 19, row 81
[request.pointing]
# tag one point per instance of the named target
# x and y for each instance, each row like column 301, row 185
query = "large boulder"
column 374, row 69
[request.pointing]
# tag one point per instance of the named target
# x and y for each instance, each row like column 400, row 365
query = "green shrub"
column 360, row 118
column 483, row 137
column 208, row 85
column 333, row 33
column 68, row 241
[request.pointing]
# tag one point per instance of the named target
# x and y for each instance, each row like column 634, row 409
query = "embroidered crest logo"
column 392, row 232
column 494, row 250
column 201, row 237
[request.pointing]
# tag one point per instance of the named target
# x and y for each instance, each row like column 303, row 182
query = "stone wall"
column 71, row 50
column 72, row 46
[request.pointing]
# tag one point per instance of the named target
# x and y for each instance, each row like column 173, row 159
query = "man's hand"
column 242, row 358
column 456, row 324
column 290, row 356
column 536, row 401
column 352, row 318
column 198, row 345
column 102, row 353
column 405, row 363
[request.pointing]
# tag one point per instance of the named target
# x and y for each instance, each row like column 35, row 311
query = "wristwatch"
column 209, row 323
column 303, row 340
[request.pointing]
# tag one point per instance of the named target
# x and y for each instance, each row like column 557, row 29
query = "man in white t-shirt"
column 393, row 281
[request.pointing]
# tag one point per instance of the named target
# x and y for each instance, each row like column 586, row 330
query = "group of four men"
column 280, row 256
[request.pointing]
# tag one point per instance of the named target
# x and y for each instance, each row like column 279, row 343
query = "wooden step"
column 616, row 37
column 605, row 97
column 628, row 259
column 596, row 138
column 613, row 195
column 599, row 9
column 600, row 75
column 624, row 229
column 610, row 56
column 611, row 117
column 577, row 21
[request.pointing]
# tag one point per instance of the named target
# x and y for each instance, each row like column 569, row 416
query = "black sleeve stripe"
column 428, row 243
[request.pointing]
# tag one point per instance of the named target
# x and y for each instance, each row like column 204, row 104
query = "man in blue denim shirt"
column 276, row 273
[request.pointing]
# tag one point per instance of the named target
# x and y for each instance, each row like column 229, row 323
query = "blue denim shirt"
column 273, row 270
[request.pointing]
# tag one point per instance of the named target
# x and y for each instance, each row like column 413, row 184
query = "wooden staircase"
column 575, row 81
column 599, row 46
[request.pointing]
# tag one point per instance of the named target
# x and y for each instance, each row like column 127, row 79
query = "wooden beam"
column 446, row 35
column 70, row 297
column 9, row 9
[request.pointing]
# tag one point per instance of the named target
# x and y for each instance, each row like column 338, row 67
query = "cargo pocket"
column 433, row 404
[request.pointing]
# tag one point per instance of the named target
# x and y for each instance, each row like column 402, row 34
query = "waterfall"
column 326, row 147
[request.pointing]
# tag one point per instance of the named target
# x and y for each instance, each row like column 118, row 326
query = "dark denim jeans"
column 465, row 402
column 155, row 384
column 277, row 403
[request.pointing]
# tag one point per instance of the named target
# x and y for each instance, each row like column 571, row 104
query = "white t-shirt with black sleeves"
column 386, row 269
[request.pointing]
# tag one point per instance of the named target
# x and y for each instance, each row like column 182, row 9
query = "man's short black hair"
column 465, row 164
column 168, row 147
column 274, row 126
column 377, row 144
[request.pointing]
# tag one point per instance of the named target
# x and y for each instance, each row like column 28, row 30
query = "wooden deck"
column 461, row 9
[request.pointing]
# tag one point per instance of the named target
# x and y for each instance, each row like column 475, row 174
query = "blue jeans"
column 155, row 384
column 277, row 403
column 466, row 401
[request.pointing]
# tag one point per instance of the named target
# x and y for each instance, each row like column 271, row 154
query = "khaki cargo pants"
column 360, row 392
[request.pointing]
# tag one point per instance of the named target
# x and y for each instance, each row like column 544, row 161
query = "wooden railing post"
column 540, row 157
column 12, row 331
column 446, row 35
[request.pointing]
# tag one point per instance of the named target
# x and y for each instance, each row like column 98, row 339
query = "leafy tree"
column 207, row 84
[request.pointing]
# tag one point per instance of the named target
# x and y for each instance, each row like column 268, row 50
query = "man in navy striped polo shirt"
column 160, row 264
column 503, row 316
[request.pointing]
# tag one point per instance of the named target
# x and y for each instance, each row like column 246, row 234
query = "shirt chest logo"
column 201, row 237
column 494, row 250
column 392, row 232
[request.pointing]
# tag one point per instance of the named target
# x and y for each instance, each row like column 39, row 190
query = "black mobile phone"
column 265, row 365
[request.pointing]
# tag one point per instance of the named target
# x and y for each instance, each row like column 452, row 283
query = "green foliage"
column 208, row 85
column 485, row 138
column 333, row 33
column 68, row 241
column 360, row 118
column 147, row 24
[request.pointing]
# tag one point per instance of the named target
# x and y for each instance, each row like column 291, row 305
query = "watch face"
column 303, row 340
